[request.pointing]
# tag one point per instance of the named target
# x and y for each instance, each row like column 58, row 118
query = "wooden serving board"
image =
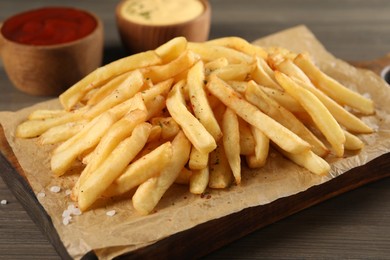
column 226, row 229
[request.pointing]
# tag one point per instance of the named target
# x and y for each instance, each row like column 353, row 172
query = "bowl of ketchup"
column 46, row 50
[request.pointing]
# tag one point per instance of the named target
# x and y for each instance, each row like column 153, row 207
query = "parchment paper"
column 179, row 210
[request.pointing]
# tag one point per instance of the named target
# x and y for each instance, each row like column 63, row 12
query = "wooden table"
column 354, row 225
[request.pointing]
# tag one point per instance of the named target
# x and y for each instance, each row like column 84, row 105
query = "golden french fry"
column 113, row 166
column 155, row 107
column 101, row 75
column 162, row 88
column 119, row 131
column 45, row 114
column 199, row 180
column 284, row 99
column 219, row 169
column 263, row 75
column 231, row 142
column 256, row 96
column 259, row 158
column 280, row 135
column 247, row 142
column 199, row 101
column 127, row 89
column 345, row 118
column 34, row 128
column 150, row 192
column 333, row 88
column 209, row 52
column 215, row 64
column 184, row 176
column 238, row 86
column 144, row 168
column 239, row 44
column 65, row 154
column 320, row 115
column 166, row 71
column 169, row 127
column 352, row 142
column 172, row 49
column 239, row 72
column 198, row 160
column 289, row 68
column 63, row 132
column 193, row 129
column 310, row 161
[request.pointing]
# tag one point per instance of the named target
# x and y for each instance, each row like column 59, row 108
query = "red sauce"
column 48, row 26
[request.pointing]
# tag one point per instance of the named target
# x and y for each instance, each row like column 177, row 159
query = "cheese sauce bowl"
column 146, row 24
column 44, row 51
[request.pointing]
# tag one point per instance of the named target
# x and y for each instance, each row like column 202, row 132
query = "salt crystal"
column 3, row 202
column 76, row 212
column 68, row 192
column 111, row 213
column 66, row 220
column 66, row 213
column 41, row 195
column 55, row 189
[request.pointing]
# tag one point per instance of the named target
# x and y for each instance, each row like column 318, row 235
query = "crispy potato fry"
column 310, row 161
column 231, row 142
column 184, row 176
column 215, row 65
column 150, row 192
column 256, row 96
column 263, row 75
column 45, row 114
column 113, row 166
column 333, row 88
column 320, row 115
column 198, row 160
column 155, row 107
column 199, row 101
column 169, row 127
column 345, row 118
column 166, row 71
column 144, row 168
column 162, row 88
column 199, row 180
column 241, row 45
column 283, row 137
column 65, row 154
column 193, row 129
column 101, row 75
column 209, row 52
column 127, row 89
column 62, row 133
column 172, row 49
column 259, row 158
column 284, row 99
column 247, row 142
column 239, row 72
column 352, row 142
column 221, row 175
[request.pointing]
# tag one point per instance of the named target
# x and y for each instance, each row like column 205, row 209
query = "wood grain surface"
column 354, row 225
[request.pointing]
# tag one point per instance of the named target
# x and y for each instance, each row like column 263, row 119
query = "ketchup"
column 48, row 26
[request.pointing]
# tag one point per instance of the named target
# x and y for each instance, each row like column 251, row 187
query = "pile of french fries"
column 189, row 113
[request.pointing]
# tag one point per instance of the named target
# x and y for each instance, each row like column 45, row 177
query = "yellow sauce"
column 161, row 12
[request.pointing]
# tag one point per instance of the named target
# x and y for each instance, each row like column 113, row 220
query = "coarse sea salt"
column 67, row 214
column 55, row 189
column 111, row 213
column 3, row 202
column 41, row 195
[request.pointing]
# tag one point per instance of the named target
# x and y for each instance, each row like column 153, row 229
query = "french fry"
column 101, row 75
column 215, row 65
column 219, row 169
column 259, row 158
column 209, row 52
column 241, row 45
column 45, row 114
column 139, row 171
column 247, row 142
column 65, row 154
column 150, row 192
column 127, row 89
column 119, row 131
column 166, row 71
column 62, row 133
column 231, row 142
column 284, row 99
column 260, row 75
column 198, row 160
column 199, row 180
column 310, row 161
column 333, row 88
column 199, row 101
column 283, row 137
column 239, row 72
column 169, row 127
column 256, row 96
column 155, row 107
column 162, row 88
column 184, row 176
column 171, row 49
column 193, row 129
column 113, row 166
column 320, row 115
column 352, row 142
